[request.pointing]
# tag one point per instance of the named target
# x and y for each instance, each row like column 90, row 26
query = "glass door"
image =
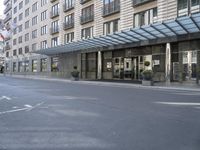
column 118, row 68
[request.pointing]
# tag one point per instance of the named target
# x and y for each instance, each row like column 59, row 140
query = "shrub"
column 147, row 75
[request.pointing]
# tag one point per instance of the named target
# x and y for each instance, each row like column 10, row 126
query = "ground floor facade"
column 170, row 62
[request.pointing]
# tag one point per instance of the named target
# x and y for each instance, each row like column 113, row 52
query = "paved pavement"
column 57, row 115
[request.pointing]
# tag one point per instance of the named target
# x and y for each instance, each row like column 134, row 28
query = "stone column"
column 168, row 63
column 99, row 65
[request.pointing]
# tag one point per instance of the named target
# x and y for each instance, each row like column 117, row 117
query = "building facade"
column 40, row 44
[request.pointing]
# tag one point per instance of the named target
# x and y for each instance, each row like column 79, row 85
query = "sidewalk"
column 171, row 86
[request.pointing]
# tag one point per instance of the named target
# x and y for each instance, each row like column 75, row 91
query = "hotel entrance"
column 129, row 68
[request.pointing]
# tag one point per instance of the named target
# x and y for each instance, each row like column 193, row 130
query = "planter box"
column 147, row 83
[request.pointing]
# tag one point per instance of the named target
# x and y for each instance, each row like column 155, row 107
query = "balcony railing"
column 84, row 1
column 85, row 19
column 8, row 17
column 7, row 47
column 67, row 8
column 5, row 2
column 9, row 6
column 52, row 1
column 111, row 8
column 68, row 25
column 54, row 30
column 141, row 2
column 54, row 14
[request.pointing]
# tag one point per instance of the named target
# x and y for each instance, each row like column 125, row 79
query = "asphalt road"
column 53, row 115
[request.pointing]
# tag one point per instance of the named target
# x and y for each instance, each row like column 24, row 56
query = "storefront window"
column 20, row 66
column 44, row 64
column 14, row 67
column 54, row 64
column 26, row 66
column 34, row 66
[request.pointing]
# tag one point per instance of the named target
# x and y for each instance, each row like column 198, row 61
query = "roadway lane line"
column 179, row 103
column 5, row 98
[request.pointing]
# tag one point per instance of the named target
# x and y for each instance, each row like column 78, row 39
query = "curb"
column 110, row 84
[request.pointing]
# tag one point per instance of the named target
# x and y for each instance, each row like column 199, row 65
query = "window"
column 182, row 4
column 34, row 65
column 20, row 16
column 20, row 66
column 26, row 37
column 110, row 7
column 14, row 67
column 43, row 2
column 43, row 64
column 186, row 8
column 55, row 10
column 54, row 64
column 54, row 41
column 44, row 44
column 26, row 2
column 14, row 41
column 87, row 14
column 54, row 26
column 20, row 39
column 44, row 15
column 27, row 12
column 26, row 66
column 21, row 5
column 111, row 27
column 34, row 47
column 34, row 7
column 44, row 30
column 87, row 33
column 195, row 2
column 26, row 49
column 145, row 17
column 15, row 31
column 20, row 51
column 69, row 4
column 14, row 52
column 34, row 20
column 27, row 24
column 69, row 37
column 15, row 1
column 69, row 19
column 15, row 20
column 20, row 28
column 7, row 54
column 34, row 34
column 15, row 10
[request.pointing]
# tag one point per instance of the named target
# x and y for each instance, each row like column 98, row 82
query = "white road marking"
column 179, row 103
column 5, row 98
column 11, row 111
column 29, row 106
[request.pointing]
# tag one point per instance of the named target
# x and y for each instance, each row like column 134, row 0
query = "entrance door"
column 131, row 68
column 189, row 65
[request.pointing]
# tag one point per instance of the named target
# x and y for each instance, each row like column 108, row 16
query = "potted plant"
column 147, row 75
column 75, row 74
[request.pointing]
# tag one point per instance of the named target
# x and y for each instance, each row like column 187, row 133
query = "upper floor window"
column 87, row 33
column 87, row 14
column 15, row 1
column 34, row 7
column 27, row 12
column 69, row 37
column 27, row 24
column 20, row 39
column 15, row 20
column 43, row 2
column 111, row 7
column 185, row 7
column 111, row 27
column 55, row 9
column 54, row 41
column 34, row 20
column 34, row 47
column 69, row 4
column 44, row 44
column 44, row 15
column 20, row 16
column 44, row 30
column 20, row 28
column 145, row 17
column 26, row 2
column 26, row 37
column 21, row 5
column 15, row 10
column 34, row 34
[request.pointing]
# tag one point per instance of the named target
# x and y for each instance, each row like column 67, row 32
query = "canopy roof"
column 170, row 28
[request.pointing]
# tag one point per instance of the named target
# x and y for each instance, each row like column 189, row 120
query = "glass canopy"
column 169, row 28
